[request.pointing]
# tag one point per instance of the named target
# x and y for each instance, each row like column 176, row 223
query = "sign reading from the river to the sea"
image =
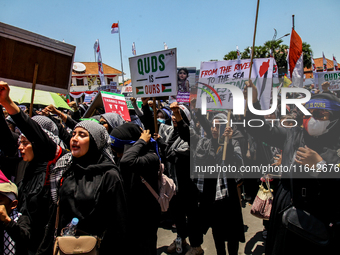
column 234, row 72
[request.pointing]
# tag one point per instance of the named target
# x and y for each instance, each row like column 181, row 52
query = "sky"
column 200, row 30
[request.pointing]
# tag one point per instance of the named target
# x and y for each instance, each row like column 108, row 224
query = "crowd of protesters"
column 101, row 170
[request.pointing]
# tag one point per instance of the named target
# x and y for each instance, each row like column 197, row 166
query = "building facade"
column 85, row 78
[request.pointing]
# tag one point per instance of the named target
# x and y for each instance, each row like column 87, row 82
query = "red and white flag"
column 114, row 28
column 296, row 59
column 335, row 64
column 313, row 64
column 324, row 63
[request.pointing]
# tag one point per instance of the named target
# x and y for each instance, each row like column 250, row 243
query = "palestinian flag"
column 68, row 99
column 166, row 87
column 140, row 90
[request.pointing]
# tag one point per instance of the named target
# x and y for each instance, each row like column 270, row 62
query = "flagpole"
column 95, row 56
column 121, row 59
column 252, row 52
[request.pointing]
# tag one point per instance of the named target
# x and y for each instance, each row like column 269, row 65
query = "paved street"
column 253, row 232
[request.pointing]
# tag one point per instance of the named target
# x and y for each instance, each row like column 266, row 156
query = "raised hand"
column 4, row 93
column 146, row 136
column 245, row 90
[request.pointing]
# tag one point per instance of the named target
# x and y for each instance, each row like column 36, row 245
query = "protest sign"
column 127, row 91
column 154, row 74
column 34, row 59
column 129, row 104
column 111, row 103
column 332, row 77
column 90, row 97
column 234, row 72
column 186, row 78
column 109, row 88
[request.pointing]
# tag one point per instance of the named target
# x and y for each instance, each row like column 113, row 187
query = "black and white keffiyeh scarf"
column 50, row 128
column 113, row 119
column 102, row 140
column 204, row 152
column 9, row 244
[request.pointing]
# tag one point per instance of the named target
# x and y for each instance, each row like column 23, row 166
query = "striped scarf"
column 102, row 140
column 9, row 244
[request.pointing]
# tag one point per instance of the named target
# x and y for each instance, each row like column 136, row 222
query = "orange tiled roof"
column 92, row 69
column 126, row 82
column 319, row 67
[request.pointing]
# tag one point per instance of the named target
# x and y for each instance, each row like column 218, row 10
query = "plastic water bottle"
column 71, row 228
column 178, row 243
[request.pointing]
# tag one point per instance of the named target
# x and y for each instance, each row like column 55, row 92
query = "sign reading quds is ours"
column 154, row 74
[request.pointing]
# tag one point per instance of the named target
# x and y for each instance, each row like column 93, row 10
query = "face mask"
column 317, row 127
column 151, row 109
column 161, row 120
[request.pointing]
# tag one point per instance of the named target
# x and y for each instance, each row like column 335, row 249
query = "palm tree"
column 307, row 53
column 231, row 55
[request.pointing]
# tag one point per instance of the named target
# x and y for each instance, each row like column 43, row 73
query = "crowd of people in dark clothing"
column 96, row 170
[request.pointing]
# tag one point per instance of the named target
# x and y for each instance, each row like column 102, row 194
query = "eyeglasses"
column 102, row 122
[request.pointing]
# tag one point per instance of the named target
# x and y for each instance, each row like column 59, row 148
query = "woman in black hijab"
column 164, row 116
column 91, row 186
column 219, row 192
column 111, row 120
column 39, row 146
column 139, row 158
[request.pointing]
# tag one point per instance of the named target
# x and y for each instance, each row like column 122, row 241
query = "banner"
column 234, row 72
column 129, row 104
column 110, row 88
column 154, row 74
column 116, row 103
column 332, row 77
column 90, row 97
column 111, row 103
column 186, row 79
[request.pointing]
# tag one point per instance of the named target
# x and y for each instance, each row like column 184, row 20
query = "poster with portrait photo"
column 185, row 79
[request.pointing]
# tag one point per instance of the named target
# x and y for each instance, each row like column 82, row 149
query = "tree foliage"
column 279, row 50
column 231, row 55
column 307, row 54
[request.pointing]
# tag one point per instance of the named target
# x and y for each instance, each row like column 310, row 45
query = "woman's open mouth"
column 75, row 147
